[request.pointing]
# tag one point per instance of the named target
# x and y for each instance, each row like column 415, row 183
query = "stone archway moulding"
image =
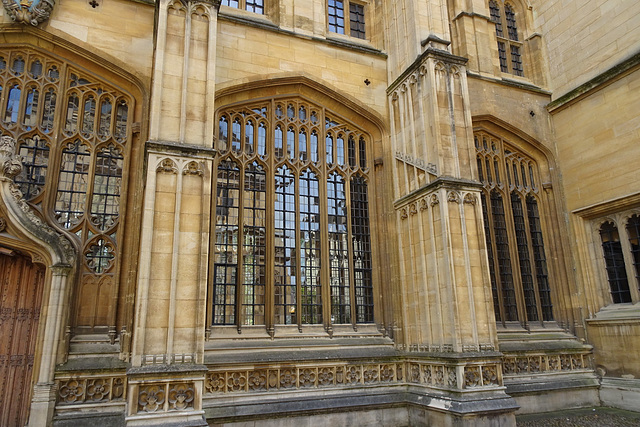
column 62, row 256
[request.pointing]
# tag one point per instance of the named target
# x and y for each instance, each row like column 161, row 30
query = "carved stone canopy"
column 29, row 11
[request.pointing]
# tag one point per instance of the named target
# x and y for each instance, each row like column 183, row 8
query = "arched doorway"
column 21, row 288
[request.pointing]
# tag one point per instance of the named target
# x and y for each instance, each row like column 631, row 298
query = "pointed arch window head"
column 520, row 280
column 292, row 239
column 503, row 15
column 81, row 123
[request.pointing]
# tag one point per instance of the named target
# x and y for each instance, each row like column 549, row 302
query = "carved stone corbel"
column 29, row 11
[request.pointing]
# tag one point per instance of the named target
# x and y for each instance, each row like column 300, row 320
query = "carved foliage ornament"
column 29, row 11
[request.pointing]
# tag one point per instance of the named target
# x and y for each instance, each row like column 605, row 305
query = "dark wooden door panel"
column 20, row 299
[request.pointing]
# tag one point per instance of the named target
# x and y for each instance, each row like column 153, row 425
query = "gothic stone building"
column 317, row 212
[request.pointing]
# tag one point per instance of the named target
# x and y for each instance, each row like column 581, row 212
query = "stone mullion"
column 350, row 254
column 297, row 172
column 324, row 224
column 269, row 268
column 239, row 266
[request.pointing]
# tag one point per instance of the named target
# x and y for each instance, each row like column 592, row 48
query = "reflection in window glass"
column 311, row 298
column 226, row 243
column 107, row 181
column 296, row 196
column 72, row 184
column 338, row 250
column 285, row 248
column 254, row 245
column 13, row 105
column 35, row 158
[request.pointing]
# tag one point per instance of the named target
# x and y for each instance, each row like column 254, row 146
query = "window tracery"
column 291, row 239
column 512, row 222
column 72, row 132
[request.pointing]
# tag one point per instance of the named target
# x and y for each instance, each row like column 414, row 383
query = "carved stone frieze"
column 269, row 379
column 31, row 12
column 75, row 391
column 538, row 364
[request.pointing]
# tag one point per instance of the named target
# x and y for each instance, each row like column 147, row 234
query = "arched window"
column 73, row 132
column 512, row 223
column 291, row 240
column 503, row 15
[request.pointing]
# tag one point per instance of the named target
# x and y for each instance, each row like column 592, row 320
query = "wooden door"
column 21, row 284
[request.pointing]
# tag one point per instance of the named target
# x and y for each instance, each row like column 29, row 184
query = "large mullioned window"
column 512, row 223
column 291, row 240
column 73, row 135
column 503, row 15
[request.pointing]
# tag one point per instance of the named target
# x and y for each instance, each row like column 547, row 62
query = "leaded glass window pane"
column 107, row 183
column 356, row 20
column 311, row 289
column 226, row 243
column 285, row 248
column 633, row 231
column 524, row 260
column 336, row 16
column 72, row 184
column 273, row 225
column 513, row 232
column 35, row 159
column 338, row 250
column 614, row 261
column 253, row 245
column 503, row 257
column 542, row 275
column 361, row 250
